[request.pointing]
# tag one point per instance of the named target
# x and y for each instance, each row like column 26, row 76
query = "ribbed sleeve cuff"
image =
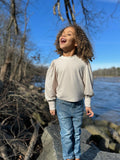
column 51, row 105
column 87, row 101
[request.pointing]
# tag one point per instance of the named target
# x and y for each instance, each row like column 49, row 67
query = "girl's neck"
column 68, row 54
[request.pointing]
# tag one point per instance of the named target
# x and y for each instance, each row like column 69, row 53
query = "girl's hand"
column 52, row 112
column 89, row 112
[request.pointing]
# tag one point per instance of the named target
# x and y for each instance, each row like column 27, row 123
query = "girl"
column 69, row 80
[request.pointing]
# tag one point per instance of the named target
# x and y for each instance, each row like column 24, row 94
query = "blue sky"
column 106, row 41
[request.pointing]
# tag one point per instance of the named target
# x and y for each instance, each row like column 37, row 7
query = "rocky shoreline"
column 52, row 146
column 25, row 118
column 105, row 135
column 100, row 140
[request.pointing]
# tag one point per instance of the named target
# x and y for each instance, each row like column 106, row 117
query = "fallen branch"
column 32, row 142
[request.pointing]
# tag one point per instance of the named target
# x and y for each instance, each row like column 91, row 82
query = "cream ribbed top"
column 70, row 79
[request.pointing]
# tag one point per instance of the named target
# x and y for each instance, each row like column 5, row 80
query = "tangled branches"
column 68, row 8
column 23, row 115
column 82, row 12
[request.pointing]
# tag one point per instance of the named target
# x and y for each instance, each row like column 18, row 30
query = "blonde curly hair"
column 84, row 48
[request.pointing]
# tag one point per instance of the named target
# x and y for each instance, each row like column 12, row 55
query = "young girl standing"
column 68, row 81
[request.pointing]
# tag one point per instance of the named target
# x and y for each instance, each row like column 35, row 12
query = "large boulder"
column 52, row 146
column 103, row 131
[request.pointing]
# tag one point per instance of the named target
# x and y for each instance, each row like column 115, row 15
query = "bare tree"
column 7, row 65
column 14, row 43
column 20, row 65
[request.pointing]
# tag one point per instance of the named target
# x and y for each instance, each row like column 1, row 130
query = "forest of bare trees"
column 114, row 72
column 15, row 46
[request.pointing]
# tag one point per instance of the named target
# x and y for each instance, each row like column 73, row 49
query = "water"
column 106, row 100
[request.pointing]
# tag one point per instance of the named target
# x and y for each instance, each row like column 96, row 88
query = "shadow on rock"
column 90, row 153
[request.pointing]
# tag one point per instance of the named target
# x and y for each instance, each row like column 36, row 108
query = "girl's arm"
column 88, row 92
column 50, row 87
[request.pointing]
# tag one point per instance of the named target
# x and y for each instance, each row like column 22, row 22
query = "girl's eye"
column 69, row 34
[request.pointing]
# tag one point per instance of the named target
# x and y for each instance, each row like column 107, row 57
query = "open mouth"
column 63, row 40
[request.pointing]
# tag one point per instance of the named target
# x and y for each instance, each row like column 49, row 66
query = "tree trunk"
column 6, row 68
column 19, row 64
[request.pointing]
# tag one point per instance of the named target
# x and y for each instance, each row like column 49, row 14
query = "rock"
column 97, row 141
column 87, row 121
column 85, row 135
column 107, row 131
column 114, row 147
column 31, row 87
column 22, row 89
column 97, row 131
column 118, row 130
column 52, row 146
column 115, row 135
column 38, row 118
column 113, row 125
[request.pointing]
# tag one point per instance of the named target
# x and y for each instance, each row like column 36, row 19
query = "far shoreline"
column 106, row 76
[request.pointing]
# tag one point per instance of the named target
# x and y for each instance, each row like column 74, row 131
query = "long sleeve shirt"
column 69, row 78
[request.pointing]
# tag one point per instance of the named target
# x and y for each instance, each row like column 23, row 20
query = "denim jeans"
column 70, row 119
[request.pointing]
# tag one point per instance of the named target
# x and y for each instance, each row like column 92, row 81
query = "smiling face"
column 67, row 39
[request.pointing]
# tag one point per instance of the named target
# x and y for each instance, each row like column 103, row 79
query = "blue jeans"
column 70, row 119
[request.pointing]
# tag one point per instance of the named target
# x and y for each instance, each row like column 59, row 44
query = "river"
column 106, row 99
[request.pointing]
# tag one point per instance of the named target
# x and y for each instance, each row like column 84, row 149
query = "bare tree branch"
column 5, row 3
column 57, row 5
column 116, row 7
column 85, row 12
column 67, row 14
column 32, row 142
column 71, row 11
column 54, row 8
column 13, row 17
column 59, row 13
column 73, row 6
column 87, row 15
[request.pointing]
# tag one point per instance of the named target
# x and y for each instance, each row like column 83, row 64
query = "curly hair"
column 84, row 48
